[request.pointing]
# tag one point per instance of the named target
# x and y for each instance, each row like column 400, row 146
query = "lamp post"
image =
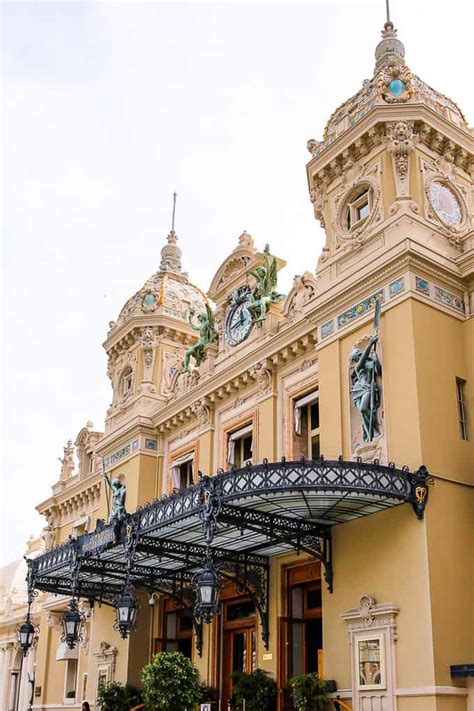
column 72, row 625
column 126, row 606
column 207, row 584
column 26, row 632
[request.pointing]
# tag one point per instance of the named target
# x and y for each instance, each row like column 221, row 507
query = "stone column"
column 4, row 683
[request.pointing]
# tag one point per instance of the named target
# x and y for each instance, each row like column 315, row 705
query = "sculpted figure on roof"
column 264, row 292
column 207, row 335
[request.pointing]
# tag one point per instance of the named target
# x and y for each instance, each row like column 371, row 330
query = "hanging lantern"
column 208, row 588
column 72, row 625
column 126, row 607
column 26, row 633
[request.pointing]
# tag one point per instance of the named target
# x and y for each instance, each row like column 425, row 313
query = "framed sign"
column 370, row 662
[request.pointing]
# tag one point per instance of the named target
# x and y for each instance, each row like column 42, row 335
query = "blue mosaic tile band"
column 359, row 309
column 422, row 285
column 396, row 287
column 150, row 443
column 327, row 328
column 445, row 297
column 135, row 444
column 120, row 454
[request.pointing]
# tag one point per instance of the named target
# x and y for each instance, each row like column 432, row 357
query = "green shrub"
column 258, row 690
column 310, row 693
column 117, row 697
column 171, row 683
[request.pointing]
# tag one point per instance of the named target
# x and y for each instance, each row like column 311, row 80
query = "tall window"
column 70, row 686
column 306, row 426
column 462, row 413
column 240, row 446
column 178, row 632
column 182, row 471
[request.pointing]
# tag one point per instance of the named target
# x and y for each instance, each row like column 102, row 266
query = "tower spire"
column 175, row 195
column 389, row 50
column 171, row 253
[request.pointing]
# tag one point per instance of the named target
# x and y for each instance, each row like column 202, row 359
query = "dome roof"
column 167, row 292
column 392, row 83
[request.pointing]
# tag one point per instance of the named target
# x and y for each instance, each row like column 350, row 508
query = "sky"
column 108, row 108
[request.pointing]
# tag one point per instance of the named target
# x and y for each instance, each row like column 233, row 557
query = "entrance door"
column 239, row 651
column 301, row 638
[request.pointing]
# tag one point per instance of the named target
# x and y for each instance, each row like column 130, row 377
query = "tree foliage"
column 171, row 683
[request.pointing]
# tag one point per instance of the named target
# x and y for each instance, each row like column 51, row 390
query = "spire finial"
column 171, row 253
column 175, row 195
column 390, row 50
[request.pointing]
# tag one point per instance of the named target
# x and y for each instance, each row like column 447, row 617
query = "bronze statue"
column 119, row 490
column 207, row 335
column 365, row 390
column 264, row 293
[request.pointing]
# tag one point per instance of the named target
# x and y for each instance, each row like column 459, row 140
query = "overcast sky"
column 110, row 107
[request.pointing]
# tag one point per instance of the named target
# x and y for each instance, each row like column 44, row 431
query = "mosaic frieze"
column 422, row 285
column 359, row 309
column 396, row 287
column 445, row 297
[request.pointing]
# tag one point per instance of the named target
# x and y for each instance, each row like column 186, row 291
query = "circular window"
column 445, row 203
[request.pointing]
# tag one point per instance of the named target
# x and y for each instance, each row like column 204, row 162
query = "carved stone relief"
column 304, row 288
column 400, row 145
column 263, row 377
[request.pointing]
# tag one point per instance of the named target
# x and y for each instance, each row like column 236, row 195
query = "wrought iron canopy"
column 243, row 516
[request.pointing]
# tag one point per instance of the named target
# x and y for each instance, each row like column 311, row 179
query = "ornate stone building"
column 329, row 557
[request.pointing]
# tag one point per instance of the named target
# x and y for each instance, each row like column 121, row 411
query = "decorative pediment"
column 233, row 268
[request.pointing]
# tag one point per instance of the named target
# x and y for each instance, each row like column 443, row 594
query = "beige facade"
column 392, row 184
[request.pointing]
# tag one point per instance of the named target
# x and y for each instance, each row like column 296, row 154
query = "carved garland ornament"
column 263, row 376
column 395, row 84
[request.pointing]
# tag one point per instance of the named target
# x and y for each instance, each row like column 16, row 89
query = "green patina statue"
column 207, row 335
column 365, row 390
column 119, row 490
column 264, row 293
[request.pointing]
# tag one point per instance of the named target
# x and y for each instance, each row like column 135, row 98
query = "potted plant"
column 310, row 692
column 171, row 683
column 209, row 695
column 257, row 689
column 114, row 696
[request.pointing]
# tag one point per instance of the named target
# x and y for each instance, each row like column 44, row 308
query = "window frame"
column 462, row 409
column 304, row 403
column 238, row 438
column 352, row 218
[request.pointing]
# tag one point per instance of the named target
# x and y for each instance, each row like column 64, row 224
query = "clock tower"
column 240, row 320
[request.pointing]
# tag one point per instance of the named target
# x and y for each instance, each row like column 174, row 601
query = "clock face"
column 445, row 204
column 238, row 324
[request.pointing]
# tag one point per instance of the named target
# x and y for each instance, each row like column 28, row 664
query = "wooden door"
column 239, row 655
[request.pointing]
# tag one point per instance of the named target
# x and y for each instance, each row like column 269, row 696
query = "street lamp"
column 72, row 625
column 208, row 587
column 126, row 607
column 26, row 633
